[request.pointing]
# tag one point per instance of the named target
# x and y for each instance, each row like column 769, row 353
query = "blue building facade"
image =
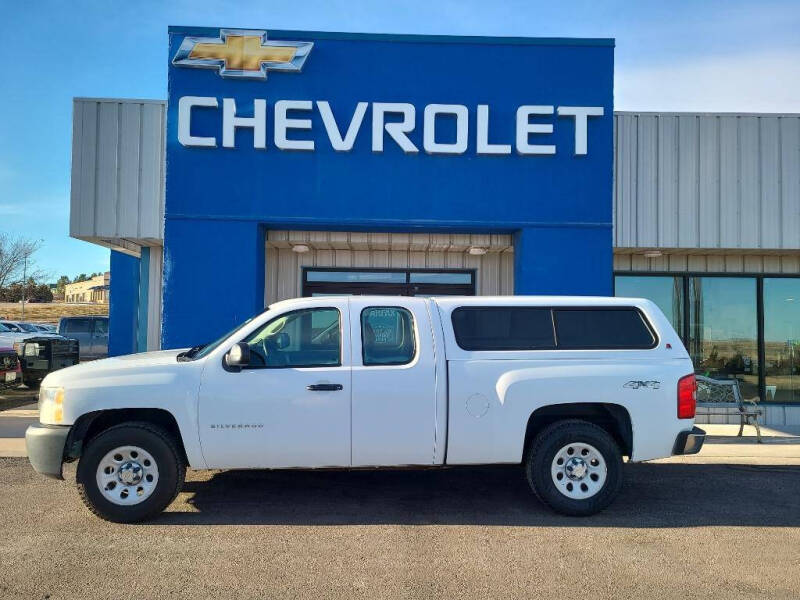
column 295, row 130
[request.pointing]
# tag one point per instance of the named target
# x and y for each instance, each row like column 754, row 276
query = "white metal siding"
column 495, row 270
column 707, row 181
column 117, row 196
column 721, row 262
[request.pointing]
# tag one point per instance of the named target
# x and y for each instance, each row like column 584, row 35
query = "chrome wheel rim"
column 579, row 471
column 127, row 475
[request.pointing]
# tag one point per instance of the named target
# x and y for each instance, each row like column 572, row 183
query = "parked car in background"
column 10, row 369
column 46, row 327
column 92, row 333
column 39, row 353
column 563, row 386
column 23, row 327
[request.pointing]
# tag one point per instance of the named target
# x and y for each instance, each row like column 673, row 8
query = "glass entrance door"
column 388, row 282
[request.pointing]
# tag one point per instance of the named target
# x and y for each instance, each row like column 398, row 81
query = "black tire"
column 161, row 446
column 542, row 452
column 32, row 383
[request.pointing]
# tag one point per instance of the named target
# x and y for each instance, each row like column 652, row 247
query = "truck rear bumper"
column 689, row 442
column 45, row 446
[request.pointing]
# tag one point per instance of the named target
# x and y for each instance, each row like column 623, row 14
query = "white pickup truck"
column 566, row 386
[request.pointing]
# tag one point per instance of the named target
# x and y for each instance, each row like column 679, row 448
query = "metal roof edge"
column 409, row 37
column 118, row 100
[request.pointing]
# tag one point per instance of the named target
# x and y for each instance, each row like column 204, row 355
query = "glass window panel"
column 602, row 328
column 387, row 336
column 357, row 276
column 77, row 325
column 440, row 277
column 302, row 338
column 665, row 292
column 503, row 328
column 782, row 339
column 101, row 326
column 723, row 333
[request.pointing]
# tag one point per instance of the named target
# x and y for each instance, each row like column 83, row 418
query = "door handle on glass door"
column 324, row 387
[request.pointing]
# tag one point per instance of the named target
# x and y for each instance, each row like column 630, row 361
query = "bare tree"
column 15, row 255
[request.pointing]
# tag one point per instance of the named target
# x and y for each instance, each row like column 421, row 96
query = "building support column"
column 123, row 311
column 144, row 291
column 563, row 261
column 213, row 278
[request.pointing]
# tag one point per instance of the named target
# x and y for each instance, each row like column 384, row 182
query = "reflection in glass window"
column 439, row 277
column 301, row 338
column 387, row 336
column 357, row 276
column 782, row 339
column 666, row 292
column 724, row 329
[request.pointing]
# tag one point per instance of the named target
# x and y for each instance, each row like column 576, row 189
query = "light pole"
column 24, row 283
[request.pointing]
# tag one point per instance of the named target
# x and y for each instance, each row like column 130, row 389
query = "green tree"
column 61, row 285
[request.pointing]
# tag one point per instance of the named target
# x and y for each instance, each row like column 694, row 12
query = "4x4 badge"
column 635, row 385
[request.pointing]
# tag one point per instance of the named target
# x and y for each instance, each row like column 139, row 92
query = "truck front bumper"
column 689, row 442
column 45, row 446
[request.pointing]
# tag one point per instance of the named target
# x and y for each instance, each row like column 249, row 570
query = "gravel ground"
column 680, row 529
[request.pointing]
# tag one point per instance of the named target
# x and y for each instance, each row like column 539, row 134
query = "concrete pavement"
column 13, row 423
column 721, row 524
column 679, row 530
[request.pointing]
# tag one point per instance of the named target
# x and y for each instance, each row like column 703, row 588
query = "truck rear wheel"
column 574, row 467
column 130, row 472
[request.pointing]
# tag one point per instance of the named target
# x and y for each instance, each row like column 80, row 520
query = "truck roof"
column 451, row 302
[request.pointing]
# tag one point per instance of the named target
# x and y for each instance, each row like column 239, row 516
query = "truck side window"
column 302, row 338
column 77, row 326
column 387, row 336
column 503, row 328
column 602, row 328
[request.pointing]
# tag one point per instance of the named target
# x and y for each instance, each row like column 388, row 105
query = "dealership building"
column 294, row 163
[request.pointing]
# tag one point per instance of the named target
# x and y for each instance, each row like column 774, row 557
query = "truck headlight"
column 32, row 349
column 51, row 405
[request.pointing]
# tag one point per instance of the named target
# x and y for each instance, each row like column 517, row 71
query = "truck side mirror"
column 238, row 355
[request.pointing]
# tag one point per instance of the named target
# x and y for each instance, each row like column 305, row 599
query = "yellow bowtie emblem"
column 242, row 53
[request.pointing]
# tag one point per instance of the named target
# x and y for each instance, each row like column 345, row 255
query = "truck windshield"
column 206, row 349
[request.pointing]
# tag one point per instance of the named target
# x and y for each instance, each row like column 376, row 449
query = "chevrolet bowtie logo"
column 242, row 53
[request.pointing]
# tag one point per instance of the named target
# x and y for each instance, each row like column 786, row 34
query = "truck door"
column 79, row 328
column 291, row 406
column 394, row 382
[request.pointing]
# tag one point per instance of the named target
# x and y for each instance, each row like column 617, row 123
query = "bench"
column 721, row 397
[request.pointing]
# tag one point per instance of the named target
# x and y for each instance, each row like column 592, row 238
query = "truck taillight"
column 687, row 397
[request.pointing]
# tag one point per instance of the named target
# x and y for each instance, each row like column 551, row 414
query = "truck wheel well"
column 94, row 423
column 611, row 417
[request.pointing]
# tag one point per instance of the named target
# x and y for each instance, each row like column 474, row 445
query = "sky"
column 670, row 55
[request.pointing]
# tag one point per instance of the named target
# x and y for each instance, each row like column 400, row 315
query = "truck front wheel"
column 130, row 472
column 574, row 467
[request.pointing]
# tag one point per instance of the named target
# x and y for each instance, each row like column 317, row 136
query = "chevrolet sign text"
column 390, row 123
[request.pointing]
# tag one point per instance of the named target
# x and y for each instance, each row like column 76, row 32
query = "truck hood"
column 118, row 366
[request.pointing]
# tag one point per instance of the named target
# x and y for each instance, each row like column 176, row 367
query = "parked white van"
column 564, row 386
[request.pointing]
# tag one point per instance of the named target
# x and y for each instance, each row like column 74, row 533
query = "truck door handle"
column 324, row 387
